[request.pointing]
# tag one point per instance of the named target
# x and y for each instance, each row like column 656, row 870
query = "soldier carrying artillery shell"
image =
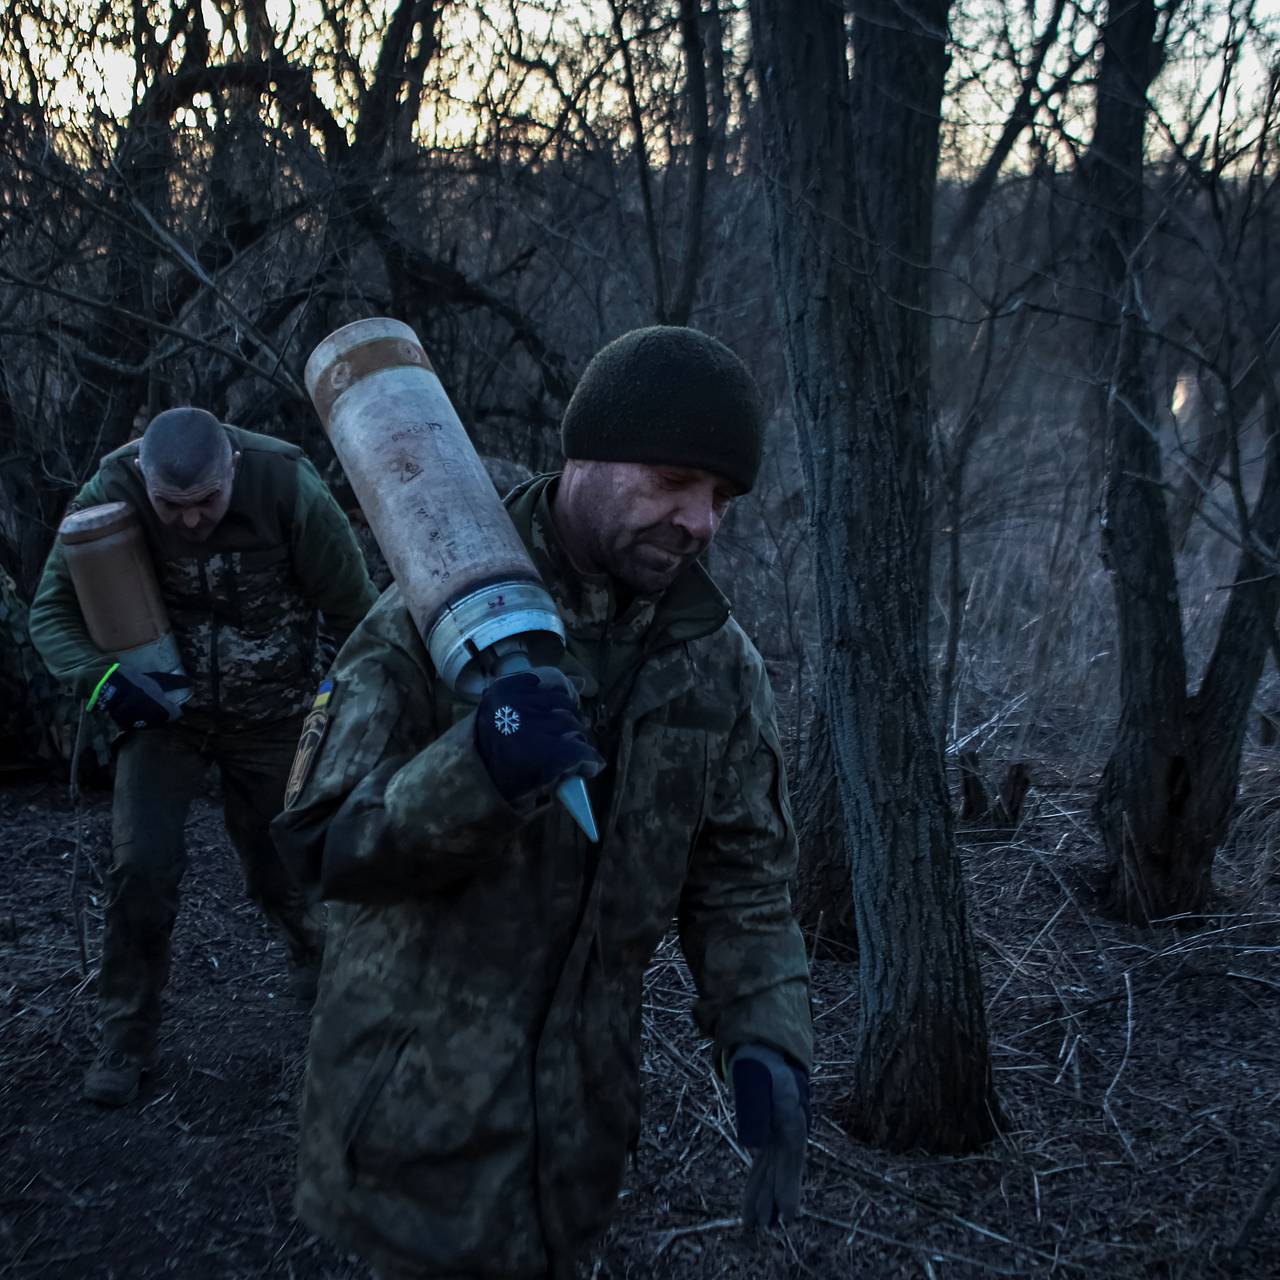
column 249, row 549
column 473, row 1083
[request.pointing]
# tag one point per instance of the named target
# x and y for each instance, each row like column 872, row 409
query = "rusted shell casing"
column 466, row 577
column 115, row 583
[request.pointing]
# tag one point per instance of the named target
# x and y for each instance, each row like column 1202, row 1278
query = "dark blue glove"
column 771, row 1098
column 530, row 734
column 138, row 699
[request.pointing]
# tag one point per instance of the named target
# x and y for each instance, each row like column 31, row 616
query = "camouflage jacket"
column 473, row 1082
column 243, row 605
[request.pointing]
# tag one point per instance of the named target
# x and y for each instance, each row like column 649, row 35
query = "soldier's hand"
column 530, row 734
column 140, row 699
column 771, row 1098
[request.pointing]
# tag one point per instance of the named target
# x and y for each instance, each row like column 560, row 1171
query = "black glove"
column 771, row 1098
column 137, row 699
column 530, row 734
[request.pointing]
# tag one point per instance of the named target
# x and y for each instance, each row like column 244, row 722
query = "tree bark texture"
column 1144, row 807
column 900, row 62
column 1220, row 708
column 821, row 895
column 851, row 228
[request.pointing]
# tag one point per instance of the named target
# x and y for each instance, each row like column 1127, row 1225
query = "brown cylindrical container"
column 466, row 578
column 115, row 583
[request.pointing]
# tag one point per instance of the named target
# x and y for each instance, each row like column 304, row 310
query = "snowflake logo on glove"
column 506, row 720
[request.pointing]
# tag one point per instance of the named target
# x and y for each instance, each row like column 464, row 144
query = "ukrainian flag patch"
column 314, row 728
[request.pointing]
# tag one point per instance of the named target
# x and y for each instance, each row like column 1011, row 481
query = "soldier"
column 473, row 1080
column 248, row 547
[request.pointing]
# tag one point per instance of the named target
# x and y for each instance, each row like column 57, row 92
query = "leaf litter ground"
column 1139, row 1072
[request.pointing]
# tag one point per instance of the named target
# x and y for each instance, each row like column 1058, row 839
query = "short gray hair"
column 182, row 447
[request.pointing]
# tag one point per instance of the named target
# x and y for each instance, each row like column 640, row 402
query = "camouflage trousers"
column 158, row 774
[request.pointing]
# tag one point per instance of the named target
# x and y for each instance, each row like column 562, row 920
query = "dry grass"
column 1137, row 1071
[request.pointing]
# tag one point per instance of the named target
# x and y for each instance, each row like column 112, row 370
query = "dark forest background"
column 1002, row 271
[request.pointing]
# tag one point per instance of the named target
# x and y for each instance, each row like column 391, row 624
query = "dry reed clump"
column 1036, row 677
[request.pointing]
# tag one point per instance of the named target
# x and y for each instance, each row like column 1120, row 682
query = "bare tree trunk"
column 1148, row 779
column 1220, row 708
column 851, row 230
column 1166, row 796
column 1142, row 802
column 820, row 896
column 698, row 163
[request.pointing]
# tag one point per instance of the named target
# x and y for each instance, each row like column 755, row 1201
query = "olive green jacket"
column 473, row 1082
column 243, row 604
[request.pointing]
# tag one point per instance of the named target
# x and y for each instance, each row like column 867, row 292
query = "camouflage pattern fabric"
column 158, row 774
column 243, row 604
column 473, row 1081
column 243, row 624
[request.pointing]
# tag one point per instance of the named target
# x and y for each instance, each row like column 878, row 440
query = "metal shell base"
column 459, row 638
column 157, row 655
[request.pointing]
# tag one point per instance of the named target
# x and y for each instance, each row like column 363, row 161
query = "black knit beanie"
column 667, row 396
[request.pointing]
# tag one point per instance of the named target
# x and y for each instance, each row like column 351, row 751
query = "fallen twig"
column 716, row 1224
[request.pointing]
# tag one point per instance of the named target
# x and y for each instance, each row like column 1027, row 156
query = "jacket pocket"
column 380, row 1071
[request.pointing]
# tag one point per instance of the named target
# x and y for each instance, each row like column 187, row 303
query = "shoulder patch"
column 314, row 728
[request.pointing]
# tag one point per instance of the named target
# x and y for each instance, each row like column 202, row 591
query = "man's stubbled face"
column 641, row 524
column 194, row 512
